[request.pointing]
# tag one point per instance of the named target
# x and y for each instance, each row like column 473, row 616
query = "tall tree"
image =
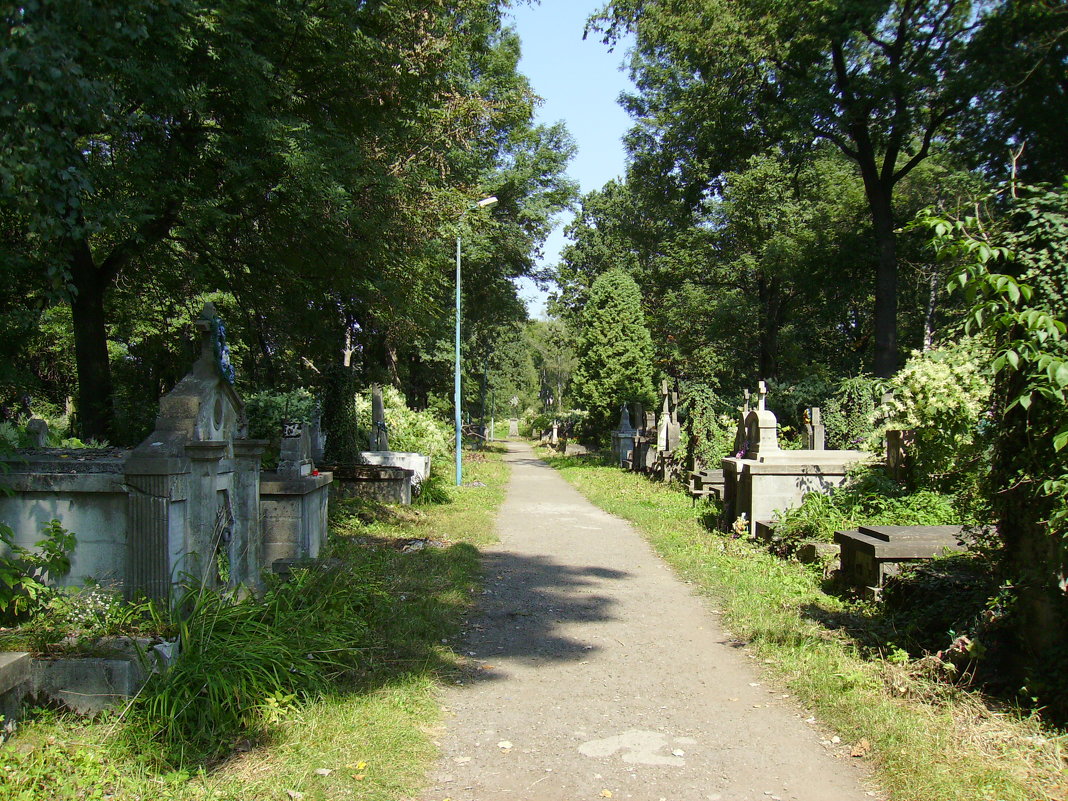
column 242, row 145
column 719, row 80
column 615, row 352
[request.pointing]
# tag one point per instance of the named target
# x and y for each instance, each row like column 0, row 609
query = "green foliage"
column 245, row 662
column 930, row 604
column 24, row 574
column 1015, row 280
column 943, row 395
column 869, row 498
column 615, row 352
column 848, row 415
column 709, row 430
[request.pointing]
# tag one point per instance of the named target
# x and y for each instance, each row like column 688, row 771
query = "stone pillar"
column 211, row 515
column 246, row 560
column 379, row 432
column 815, row 433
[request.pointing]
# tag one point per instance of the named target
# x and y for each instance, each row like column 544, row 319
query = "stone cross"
column 763, row 390
column 379, row 432
column 745, row 408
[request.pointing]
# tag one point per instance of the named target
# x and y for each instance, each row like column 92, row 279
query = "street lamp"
column 485, row 203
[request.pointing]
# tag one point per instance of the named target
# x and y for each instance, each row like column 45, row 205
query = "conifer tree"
column 615, row 351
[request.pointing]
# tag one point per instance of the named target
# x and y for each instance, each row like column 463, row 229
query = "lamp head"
column 487, row 202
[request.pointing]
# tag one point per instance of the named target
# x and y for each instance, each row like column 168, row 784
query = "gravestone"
column 37, row 429
column 294, row 499
column 815, row 433
column 513, row 427
column 623, row 437
column 899, row 445
column 871, row 554
column 761, row 479
column 379, row 431
column 194, row 502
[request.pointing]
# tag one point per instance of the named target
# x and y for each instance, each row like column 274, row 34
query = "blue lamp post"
column 485, row 203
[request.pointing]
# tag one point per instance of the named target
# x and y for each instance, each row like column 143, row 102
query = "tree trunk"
column 770, row 313
column 882, row 216
column 96, row 414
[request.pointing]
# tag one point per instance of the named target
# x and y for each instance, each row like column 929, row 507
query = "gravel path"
column 596, row 673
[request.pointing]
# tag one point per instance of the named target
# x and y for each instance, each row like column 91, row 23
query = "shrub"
column 24, row 573
column 942, row 395
column 849, row 415
column 869, row 498
column 708, row 436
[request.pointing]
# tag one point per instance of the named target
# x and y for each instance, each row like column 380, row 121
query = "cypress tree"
column 615, row 352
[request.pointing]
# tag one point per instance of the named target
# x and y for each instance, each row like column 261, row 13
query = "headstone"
column 623, row 437
column 815, row 433
column 899, row 445
column 871, row 554
column 317, row 436
column 294, row 457
column 379, row 432
column 513, row 427
column 194, row 501
column 37, row 429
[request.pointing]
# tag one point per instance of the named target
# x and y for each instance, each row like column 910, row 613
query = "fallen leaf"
column 461, row 760
column 361, row 765
column 861, row 748
column 358, row 777
column 504, row 745
column 606, row 793
column 294, row 795
column 323, row 771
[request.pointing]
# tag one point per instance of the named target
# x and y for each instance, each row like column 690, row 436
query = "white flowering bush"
column 943, row 395
column 408, row 430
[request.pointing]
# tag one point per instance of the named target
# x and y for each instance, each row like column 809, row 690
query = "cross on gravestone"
column 763, row 390
column 745, row 406
column 379, row 431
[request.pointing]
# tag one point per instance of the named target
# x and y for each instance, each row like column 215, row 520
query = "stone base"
column 382, row 484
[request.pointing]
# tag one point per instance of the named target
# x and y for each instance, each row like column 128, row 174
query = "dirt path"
column 594, row 670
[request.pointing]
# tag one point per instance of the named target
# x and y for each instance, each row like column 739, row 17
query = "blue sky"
column 580, row 82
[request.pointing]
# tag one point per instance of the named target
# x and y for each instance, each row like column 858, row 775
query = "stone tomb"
column 762, row 479
column 184, row 505
column 871, row 554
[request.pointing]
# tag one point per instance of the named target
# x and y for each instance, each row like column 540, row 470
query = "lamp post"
column 485, row 203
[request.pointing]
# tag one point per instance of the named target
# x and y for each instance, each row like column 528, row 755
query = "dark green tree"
column 615, row 352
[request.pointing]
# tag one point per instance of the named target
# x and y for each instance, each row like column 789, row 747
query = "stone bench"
column 871, row 554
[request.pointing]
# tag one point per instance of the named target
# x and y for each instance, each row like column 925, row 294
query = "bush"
column 942, row 395
column 708, row 436
column 24, row 573
column 849, row 415
column 869, row 498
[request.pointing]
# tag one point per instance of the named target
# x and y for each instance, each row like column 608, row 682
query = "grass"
column 927, row 740
column 367, row 736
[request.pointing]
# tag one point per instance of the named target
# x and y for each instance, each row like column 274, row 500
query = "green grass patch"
column 927, row 740
column 340, row 706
